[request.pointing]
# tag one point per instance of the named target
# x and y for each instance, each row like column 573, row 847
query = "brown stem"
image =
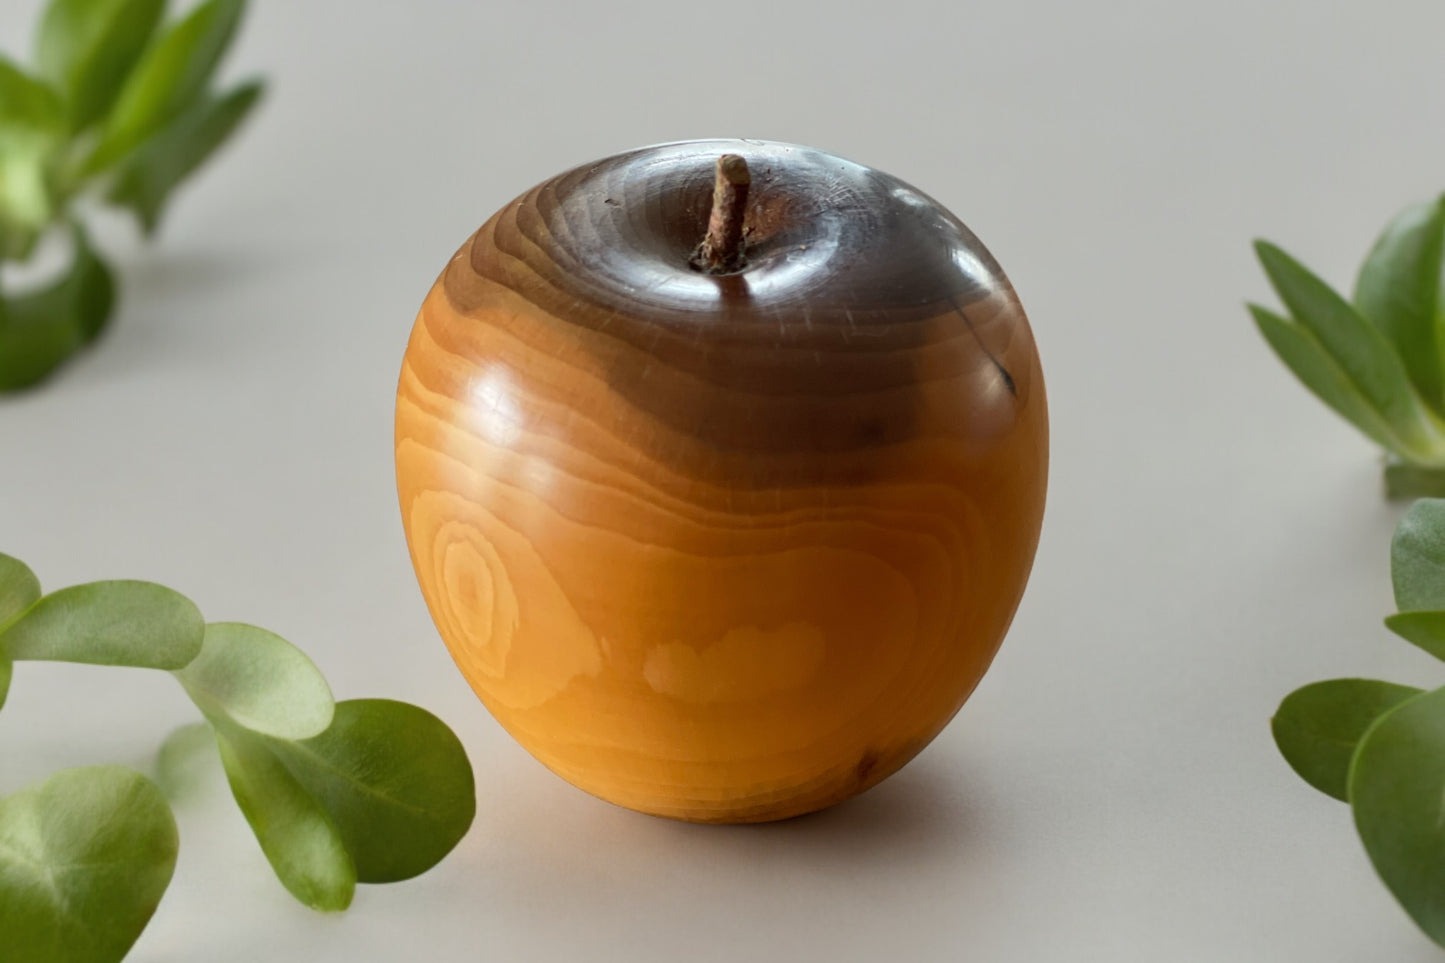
column 721, row 250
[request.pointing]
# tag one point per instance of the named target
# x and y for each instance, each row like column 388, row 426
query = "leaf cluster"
column 360, row 791
column 1381, row 746
column 1378, row 359
column 120, row 104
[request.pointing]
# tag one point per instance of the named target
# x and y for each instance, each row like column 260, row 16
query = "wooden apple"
column 725, row 533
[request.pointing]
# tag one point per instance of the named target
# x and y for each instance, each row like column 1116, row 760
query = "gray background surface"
column 1214, row 537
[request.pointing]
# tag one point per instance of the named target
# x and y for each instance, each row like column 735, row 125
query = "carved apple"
column 724, row 539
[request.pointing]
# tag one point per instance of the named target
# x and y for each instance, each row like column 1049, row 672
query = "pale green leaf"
column 1417, row 557
column 1314, row 367
column 395, row 781
column 32, row 127
column 1318, row 726
column 260, row 681
column 130, row 623
column 297, row 836
column 170, row 77
column 86, row 48
column 19, row 588
column 28, row 102
column 85, row 858
column 181, row 761
column 1356, row 346
column 147, row 179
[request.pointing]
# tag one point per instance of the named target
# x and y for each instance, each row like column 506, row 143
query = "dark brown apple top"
column 860, row 298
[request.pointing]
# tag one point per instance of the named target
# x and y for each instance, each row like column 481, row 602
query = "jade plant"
column 119, row 107
column 1380, row 746
column 1378, row 358
column 337, row 793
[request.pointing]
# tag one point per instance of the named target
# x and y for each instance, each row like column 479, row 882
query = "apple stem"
column 721, row 250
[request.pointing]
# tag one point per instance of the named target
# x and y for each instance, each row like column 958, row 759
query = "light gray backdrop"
column 1214, row 536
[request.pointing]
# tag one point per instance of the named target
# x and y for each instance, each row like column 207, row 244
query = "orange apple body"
column 722, row 548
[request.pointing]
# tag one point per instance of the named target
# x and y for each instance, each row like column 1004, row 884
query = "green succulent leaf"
column 1318, row 726
column 1313, row 366
column 1397, row 792
column 382, row 795
column 179, row 765
column 120, row 103
column 32, row 128
column 39, row 330
column 1357, row 348
column 19, row 588
column 299, row 839
column 1417, row 557
column 365, row 791
column 260, row 681
column 147, row 179
column 170, row 77
column 395, row 781
column 28, row 103
column 1399, row 291
column 85, row 858
column 138, row 624
column 1424, row 629
column 86, row 49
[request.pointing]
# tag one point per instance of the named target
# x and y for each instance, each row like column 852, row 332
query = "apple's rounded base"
column 659, row 773
column 760, row 806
